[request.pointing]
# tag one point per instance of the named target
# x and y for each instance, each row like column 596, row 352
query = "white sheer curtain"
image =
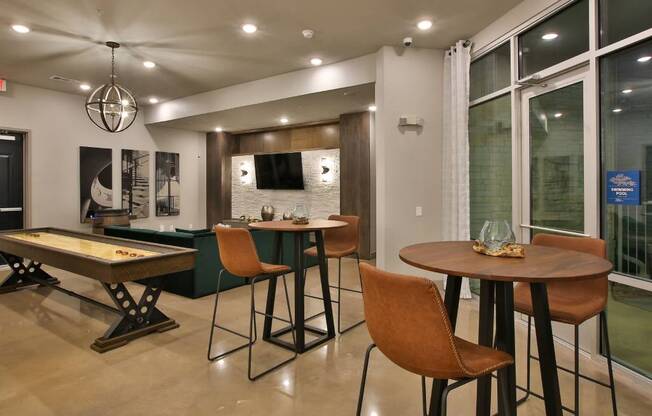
column 455, row 166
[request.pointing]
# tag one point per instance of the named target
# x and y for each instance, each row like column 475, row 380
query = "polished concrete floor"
column 47, row 367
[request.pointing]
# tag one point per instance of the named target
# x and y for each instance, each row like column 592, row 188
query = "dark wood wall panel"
column 355, row 174
column 351, row 135
column 218, row 177
column 291, row 139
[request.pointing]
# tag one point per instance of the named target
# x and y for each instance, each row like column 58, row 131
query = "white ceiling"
column 302, row 109
column 199, row 46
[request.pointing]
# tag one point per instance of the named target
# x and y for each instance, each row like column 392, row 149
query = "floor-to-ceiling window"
column 563, row 134
column 490, row 157
column 490, row 141
column 626, row 123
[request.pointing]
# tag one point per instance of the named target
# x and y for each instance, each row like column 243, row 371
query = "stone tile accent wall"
column 321, row 198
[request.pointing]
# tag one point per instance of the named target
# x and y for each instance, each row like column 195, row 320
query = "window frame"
column 590, row 59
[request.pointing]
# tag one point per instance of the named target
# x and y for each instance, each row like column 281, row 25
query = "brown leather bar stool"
column 571, row 303
column 339, row 243
column 408, row 322
column 239, row 257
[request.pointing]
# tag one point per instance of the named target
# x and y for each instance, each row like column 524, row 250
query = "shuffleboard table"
column 112, row 261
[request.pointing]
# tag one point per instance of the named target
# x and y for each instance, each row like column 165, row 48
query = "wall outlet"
column 419, row 211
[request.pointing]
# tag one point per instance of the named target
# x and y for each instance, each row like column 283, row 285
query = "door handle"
column 13, row 209
column 554, row 230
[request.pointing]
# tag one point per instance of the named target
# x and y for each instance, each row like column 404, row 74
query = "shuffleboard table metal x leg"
column 137, row 319
column 21, row 274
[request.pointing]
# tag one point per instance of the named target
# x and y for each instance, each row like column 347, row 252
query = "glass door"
column 556, row 179
column 559, row 167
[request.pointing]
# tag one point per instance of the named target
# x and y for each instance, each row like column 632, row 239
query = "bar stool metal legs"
column 576, row 372
column 253, row 333
column 444, row 395
column 215, row 325
column 363, row 382
column 607, row 347
column 339, row 296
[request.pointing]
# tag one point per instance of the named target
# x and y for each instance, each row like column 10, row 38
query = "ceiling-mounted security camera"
column 407, row 42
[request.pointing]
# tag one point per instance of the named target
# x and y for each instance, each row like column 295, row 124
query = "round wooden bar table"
column 497, row 275
column 316, row 226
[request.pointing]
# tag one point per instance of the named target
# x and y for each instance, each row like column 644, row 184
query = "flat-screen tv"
column 279, row 171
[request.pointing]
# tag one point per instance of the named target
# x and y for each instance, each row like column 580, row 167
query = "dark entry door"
column 11, row 181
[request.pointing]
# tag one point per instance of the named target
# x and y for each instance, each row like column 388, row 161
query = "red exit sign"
column 3, row 85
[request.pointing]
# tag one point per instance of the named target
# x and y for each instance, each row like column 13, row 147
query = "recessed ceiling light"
column 627, row 91
column 550, row 36
column 149, row 64
column 617, row 110
column 153, row 100
column 249, row 28
column 558, row 115
column 218, row 129
column 84, row 87
column 424, row 25
column 372, row 108
column 316, row 61
column 284, row 120
column 20, row 28
column 644, row 58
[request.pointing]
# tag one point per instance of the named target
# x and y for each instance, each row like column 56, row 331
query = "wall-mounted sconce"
column 245, row 173
column 327, row 169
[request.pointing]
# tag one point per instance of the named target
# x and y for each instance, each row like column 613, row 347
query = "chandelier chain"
column 113, row 65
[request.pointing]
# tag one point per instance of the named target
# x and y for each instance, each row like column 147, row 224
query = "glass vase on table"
column 496, row 234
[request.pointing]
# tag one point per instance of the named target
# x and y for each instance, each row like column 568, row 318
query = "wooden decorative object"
column 507, row 250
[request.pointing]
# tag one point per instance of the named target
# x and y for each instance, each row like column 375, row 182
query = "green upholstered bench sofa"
column 202, row 280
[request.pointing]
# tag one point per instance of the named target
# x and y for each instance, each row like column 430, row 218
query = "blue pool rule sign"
column 624, row 187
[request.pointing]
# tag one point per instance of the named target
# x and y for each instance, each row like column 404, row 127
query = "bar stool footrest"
column 581, row 375
column 274, row 337
column 531, row 393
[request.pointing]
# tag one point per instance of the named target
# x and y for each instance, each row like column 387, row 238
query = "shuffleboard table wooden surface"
column 112, row 261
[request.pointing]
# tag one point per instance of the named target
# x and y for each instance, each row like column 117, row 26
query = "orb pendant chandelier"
column 112, row 107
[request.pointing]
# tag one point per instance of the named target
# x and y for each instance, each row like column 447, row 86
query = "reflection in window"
column 490, row 162
column 626, row 105
column 556, row 123
column 620, row 19
column 490, row 165
column 561, row 37
column 490, row 73
column 629, row 316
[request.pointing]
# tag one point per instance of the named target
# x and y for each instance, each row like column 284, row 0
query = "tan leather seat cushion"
column 570, row 305
column 239, row 256
column 478, row 359
column 407, row 320
column 571, row 302
column 275, row 268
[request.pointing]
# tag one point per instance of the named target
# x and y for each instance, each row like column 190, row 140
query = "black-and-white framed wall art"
column 95, row 181
column 135, row 182
column 168, row 184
